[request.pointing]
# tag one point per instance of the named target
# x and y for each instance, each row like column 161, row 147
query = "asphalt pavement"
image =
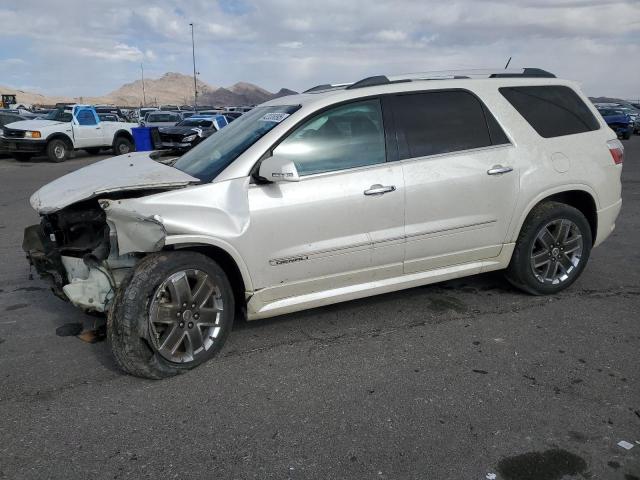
column 465, row 379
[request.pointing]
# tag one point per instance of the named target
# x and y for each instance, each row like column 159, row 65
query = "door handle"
column 499, row 170
column 378, row 189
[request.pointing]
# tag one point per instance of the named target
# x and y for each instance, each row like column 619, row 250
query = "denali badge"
column 282, row 174
column 282, row 261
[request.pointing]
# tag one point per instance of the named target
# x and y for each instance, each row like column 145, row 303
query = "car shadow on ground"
column 440, row 299
column 79, row 155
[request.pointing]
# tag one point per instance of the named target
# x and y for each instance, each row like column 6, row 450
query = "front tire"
column 174, row 314
column 552, row 249
column 57, row 150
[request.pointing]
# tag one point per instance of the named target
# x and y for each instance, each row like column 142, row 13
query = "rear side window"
column 441, row 122
column 552, row 111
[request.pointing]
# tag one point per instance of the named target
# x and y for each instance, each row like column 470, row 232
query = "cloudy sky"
column 90, row 47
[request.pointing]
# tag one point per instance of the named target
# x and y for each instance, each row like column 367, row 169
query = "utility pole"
column 144, row 96
column 195, row 82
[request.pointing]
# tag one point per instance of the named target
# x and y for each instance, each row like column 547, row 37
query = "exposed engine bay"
column 76, row 248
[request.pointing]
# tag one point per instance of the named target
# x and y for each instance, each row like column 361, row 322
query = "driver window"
column 344, row 137
column 86, row 117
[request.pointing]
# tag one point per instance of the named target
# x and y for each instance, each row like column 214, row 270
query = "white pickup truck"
column 63, row 131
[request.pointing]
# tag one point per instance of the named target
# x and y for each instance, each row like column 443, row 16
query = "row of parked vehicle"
column 623, row 119
column 61, row 131
column 182, row 129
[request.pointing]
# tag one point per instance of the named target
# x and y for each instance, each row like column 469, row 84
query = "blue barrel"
column 142, row 139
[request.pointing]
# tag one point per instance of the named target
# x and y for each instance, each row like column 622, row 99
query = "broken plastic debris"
column 626, row 445
column 491, row 476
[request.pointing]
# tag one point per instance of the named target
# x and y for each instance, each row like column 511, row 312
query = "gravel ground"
column 458, row 380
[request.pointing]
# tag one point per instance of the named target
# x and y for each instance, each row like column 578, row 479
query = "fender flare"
column 183, row 241
column 518, row 221
column 61, row 136
column 122, row 133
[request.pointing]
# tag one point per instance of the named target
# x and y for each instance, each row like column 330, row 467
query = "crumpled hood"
column 133, row 171
column 33, row 124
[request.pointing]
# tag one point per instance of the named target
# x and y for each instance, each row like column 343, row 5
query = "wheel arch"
column 61, row 136
column 122, row 133
column 580, row 197
column 225, row 255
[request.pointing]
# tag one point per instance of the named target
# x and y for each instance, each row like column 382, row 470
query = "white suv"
column 338, row 193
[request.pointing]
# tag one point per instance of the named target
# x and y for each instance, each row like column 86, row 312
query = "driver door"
column 342, row 224
column 87, row 130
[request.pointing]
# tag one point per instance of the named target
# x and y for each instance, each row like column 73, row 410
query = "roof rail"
column 452, row 74
column 326, row 86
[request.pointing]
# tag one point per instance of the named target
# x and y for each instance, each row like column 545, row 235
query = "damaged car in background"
column 339, row 193
column 191, row 131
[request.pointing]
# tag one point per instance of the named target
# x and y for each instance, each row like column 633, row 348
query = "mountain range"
column 170, row 89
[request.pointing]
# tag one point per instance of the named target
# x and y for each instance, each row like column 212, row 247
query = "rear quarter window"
column 552, row 110
column 438, row 122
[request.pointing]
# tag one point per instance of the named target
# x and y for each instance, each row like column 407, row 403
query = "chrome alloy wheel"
column 556, row 251
column 59, row 151
column 185, row 316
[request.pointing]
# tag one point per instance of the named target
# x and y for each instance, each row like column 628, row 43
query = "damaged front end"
column 88, row 240
column 76, row 249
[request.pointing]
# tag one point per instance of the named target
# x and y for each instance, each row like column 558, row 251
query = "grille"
column 172, row 137
column 12, row 133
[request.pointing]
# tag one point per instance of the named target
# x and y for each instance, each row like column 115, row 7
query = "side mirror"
column 278, row 169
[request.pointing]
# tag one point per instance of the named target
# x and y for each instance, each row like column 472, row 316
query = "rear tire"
column 552, row 249
column 626, row 136
column 122, row 146
column 159, row 326
column 57, row 150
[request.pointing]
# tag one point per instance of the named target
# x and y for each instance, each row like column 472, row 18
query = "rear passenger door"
column 461, row 178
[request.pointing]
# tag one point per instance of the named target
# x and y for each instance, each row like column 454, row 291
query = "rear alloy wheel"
column 174, row 314
column 556, row 252
column 552, row 249
column 122, row 146
column 57, row 150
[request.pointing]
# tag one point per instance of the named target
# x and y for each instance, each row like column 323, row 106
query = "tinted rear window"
column 440, row 122
column 552, row 111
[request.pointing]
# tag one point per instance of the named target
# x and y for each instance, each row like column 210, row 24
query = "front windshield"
column 194, row 122
column 58, row 115
column 210, row 157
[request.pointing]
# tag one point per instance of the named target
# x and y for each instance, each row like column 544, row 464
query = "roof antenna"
column 508, row 62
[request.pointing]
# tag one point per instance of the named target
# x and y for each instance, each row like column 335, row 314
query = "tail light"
column 616, row 149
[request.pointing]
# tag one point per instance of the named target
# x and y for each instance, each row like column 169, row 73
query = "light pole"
column 144, row 96
column 195, row 83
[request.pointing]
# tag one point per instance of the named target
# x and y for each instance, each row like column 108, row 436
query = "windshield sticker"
column 274, row 117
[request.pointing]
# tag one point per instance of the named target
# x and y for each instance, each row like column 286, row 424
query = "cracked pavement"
column 457, row 380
